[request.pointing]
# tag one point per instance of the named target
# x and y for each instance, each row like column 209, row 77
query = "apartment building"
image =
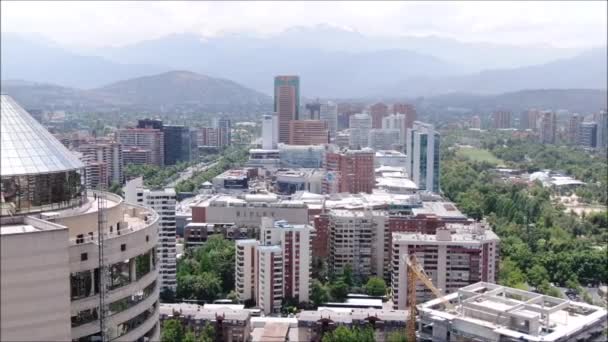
column 108, row 152
column 351, row 170
column 329, row 114
column 245, row 277
column 384, row 139
column 308, row 132
column 149, row 139
column 270, row 279
column 501, row 119
column 408, row 110
column 378, row 111
column 359, row 127
column 455, row 256
column 547, row 125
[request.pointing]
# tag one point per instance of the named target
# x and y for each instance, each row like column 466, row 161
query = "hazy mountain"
column 585, row 71
column 164, row 92
column 34, row 58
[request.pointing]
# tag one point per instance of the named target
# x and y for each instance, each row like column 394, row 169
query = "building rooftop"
column 347, row 315
column 27, row 148
column 441, row 209
column 459, row 233
column 493, row 309
column 199, row 312
column 24, row 224
column 389, row 153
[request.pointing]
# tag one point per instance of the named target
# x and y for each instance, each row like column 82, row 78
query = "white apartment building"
column 398, row 122
column 270, row 279
column 383, row 139
column 108, row 152
column 270, row 132
column 163, row 202
column 149, row 139
column 246, row 268
column 390, row 158
column 455, row 256
column 422, row 163
column 359, row 127
column 329, row 113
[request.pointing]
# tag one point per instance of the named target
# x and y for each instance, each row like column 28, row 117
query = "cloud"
column 96, row 23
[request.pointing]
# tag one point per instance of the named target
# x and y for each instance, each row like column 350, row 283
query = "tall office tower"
column 286, row 103
column 408, row 110
column 602, row 128
column 546, row 127
column 177, row 144
column 329, row 113
column 149, row 139
column 453, row 257
column 150, row 123
column 295, row 243
column 162, row 202
column 396, row 121
column 475, row 122
column 350, row 171
column 308, row 132
column 587, row 135
column 573, row 128
column 313, row 111
column 378, row 111
column 224, row 127
column 108, row 152
column 383, row 139
column 422, row 162
column 269, row 131
column 360, row 124
column 501, row 119
column 49, row 265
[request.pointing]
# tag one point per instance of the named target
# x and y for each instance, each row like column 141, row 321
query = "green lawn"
column 479, row 155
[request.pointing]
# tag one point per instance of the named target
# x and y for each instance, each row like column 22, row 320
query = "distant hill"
column 164, row 92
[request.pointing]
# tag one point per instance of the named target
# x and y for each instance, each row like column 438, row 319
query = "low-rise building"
column 289, row 181
column 390, row 158
column 197, row 234
column 234, row 179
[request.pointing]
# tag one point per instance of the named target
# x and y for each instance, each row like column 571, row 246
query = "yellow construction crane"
column 416, row 272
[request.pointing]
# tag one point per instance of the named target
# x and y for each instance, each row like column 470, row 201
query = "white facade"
column 245, row 276
column 422, row 164
column 270, row 133
column 270, row 279
column 359, row 125
column 383, row 139
column 390, row 158
column 329, row 113
column 395, row 121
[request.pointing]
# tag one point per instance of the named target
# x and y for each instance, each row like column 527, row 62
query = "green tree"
column 172, row 331
column 397, row 336
column 537, row 275
column 339, row 291
column 116, row 189
column 344, row 334
column 189, row 337
column 319, row 293
column 208, row 333
column 375, row 286
column 510, row 274
column 347, row 275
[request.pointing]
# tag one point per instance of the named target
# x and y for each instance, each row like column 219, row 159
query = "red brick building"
column 353, row 170
column 378, row 111
column 408, row 110
column 308, row 132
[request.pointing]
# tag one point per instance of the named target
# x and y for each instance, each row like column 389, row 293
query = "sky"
column 92, row 24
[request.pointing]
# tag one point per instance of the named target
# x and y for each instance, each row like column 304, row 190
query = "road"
column 188, row 172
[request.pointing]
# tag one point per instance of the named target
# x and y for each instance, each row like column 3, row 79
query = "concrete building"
column 245, row 277
column 352, row 170
column 475, row 122
column 490, row 312
column 547, row 126
column 269, row 278
column 329, row 114
column 602, row 128
column 360, row 125
column 286, row 103
column 289, row 181
column 301, row 156
column 342, row 139
column 49, row 264
column 108, row 152
column 587, row 134
column 231, row 323
column 529, row 119
column 264, row 159
column 308, row 132
column 96, row 175
column 455, row 256
column 422, row 163
column 501, row 119
column 378, row 111
column 223, row 125
column 149, row 139
column 390, row 158
column 409, row 112
column 162, row 202
column 269, row 132
column 233, row 179
column 177, row 144
column 573, row 128
column 383, row 139
column 197, row 234
column 136, row 156
column 398, row 122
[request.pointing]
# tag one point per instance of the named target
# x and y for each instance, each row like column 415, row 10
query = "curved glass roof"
column 27, row 148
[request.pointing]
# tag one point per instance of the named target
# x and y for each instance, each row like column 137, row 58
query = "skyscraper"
column 501, row 119
column 378, row 111
column 408, row 110
column 150, row 139
column 177, row 144
column 546, row 127
column 269, row 131
column 602, row 128
column 360, row 125
column 286, row 103
column 422, row 163
column 587, row 135
column 329, row 113
column 224, row 130
column 574, row 127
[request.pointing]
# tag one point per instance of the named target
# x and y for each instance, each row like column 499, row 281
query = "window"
column 123, row 247
column 84, row 257
column 120, row 275
column 80, row 283
column 147, row 238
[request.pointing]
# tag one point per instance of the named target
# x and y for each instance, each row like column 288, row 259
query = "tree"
column 319, row 293
column 510, row 274
column 339, row 291
column 537, row 275
column 347, row 275
column 396, row 336
column 375, row 286
column 116, row 189
column 208, row 333
column 344, row 334
column 233, row 296
column 172, row 331
column 189, row 337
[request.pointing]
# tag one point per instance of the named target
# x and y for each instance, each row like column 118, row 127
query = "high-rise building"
column 475, row 122
column 149, row 139
column 383, row 139
column 422, row 163
column 546, row 127
column 308, row 132
column 408, row 110
column 329, row 113
column 224, row 130
column 177, row 144
column 269, row 131
column 587, row 135
column 286, row 103
column 49, row 267
column 314, row 111
column 574, row 127
column 453, row 257
column 398, row 122
column 602, row 128
column 136, row 156
column 163, row 203
column 245, row 279
column 108, row 152
column 378, row 111
column 150, row 123
column 360, row 125
column 501, row 119
column 352, row 171
column 528, row 119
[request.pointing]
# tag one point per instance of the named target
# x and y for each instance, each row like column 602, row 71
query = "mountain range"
column 331, row 62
